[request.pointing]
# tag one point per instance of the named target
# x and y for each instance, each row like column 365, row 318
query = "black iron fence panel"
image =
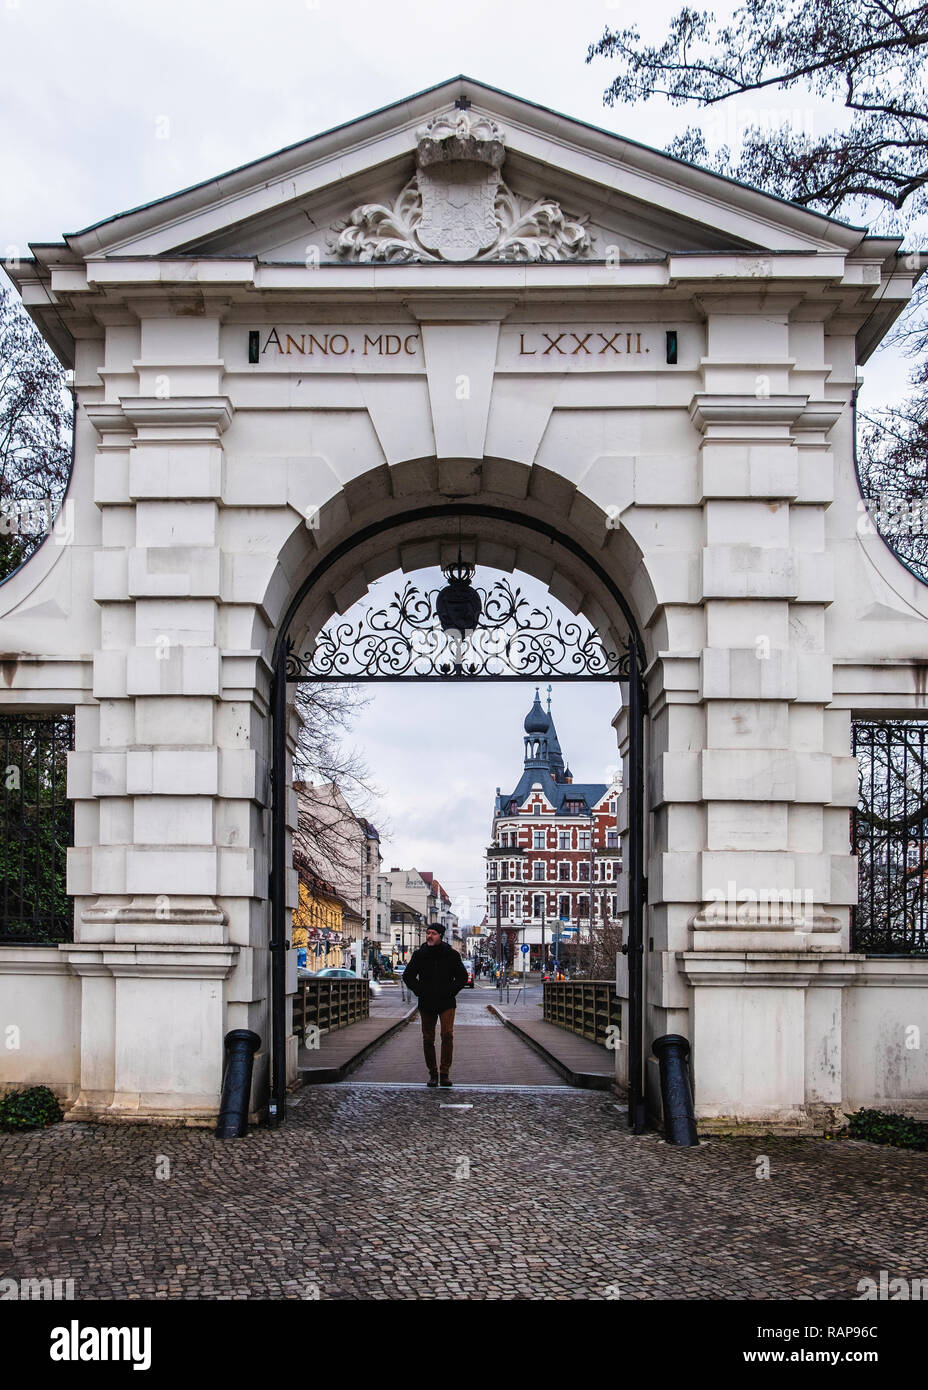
column 36, row 828
column 890, row 838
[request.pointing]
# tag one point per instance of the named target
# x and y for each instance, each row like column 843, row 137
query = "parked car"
column 340, row 973
column 469, row 964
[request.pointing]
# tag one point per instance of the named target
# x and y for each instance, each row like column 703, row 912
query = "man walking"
column 436, row 974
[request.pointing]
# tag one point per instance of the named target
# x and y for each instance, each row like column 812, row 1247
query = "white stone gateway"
column 623, row 365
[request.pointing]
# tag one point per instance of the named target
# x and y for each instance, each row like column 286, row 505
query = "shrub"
column 31, row 1109
column 882, row 1127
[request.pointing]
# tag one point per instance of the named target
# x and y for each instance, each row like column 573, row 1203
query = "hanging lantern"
column 458, row 605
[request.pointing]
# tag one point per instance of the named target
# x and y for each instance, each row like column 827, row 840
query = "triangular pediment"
column 561, row 190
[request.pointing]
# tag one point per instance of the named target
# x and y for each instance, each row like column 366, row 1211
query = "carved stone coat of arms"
column 457, row 210
column 456, row 207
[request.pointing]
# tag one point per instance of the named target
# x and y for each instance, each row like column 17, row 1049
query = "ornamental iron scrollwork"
column 512, row 639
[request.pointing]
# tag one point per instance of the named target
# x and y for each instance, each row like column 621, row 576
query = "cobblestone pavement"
column 533, row 1194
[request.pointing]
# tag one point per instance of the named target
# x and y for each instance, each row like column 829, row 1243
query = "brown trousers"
column 447, row 1040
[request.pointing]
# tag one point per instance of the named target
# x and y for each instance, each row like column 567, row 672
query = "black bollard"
column 672, row 1052
column 241, row 1045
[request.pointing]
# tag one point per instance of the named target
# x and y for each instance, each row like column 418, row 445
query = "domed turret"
column 536, row 721
column 536, row 727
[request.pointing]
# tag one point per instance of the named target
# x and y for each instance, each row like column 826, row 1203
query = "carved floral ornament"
column 457, row 208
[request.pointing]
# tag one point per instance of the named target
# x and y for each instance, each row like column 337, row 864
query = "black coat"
column 435, row 974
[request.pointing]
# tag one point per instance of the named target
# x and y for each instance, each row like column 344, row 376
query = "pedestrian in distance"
column 436, row 974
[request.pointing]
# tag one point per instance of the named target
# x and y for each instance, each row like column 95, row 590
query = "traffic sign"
column 525, row 949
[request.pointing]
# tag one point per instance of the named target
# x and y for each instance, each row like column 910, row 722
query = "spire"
column 555, row 757
column 536, row 727
column 536, row 721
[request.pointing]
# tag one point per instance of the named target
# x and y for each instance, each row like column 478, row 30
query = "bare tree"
column 338, row 779
column 868, row 56
column 36, row 425
column 606, row 944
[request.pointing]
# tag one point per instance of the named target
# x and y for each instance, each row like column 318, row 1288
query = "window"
column 367, row 886
column 368, row 918
column 379, row 922
column 538, row 840
column 504, row 905
column 563, row 907
column 583, row 841
column 538, row 906
column 612, row 808
column 563, row 839
column 492, row 868
column 612, row 839
column 563, row 872
column 491, row 905
column 583, row 905
column 583, row 872
column 536, row 809
column 615, row 905
column 504, row 870
column 380, row 892
column 538, row 871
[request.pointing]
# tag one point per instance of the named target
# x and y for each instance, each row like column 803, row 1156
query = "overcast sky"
column 109, row 104
column 440, row 751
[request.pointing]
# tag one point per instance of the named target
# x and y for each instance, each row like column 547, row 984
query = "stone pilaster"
column 164, row 774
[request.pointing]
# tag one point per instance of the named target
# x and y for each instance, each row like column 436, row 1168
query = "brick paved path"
column 534, row 1194
column 484, row 1051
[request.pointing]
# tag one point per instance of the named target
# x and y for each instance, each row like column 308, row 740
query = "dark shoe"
column 445, row 1081
column 432, row 1081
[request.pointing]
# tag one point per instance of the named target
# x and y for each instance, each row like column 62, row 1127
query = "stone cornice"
column 107, row 418
column 32, row 960
column 799, row 969
column 157, row 960
column 216, row 411
column 706, row 410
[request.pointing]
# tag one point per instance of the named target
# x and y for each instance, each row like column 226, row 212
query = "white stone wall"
column 717, row 494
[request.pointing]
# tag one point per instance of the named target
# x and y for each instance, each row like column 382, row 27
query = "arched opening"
column 304, row 617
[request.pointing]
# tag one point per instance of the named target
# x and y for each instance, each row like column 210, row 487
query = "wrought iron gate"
column 36, row 828
column 461, row 633
column 890, row 834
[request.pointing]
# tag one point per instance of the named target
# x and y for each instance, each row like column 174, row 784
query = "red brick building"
column 554, row 858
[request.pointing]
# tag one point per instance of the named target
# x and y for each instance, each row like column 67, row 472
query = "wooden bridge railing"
column 585, row 1007
column 330, row 1004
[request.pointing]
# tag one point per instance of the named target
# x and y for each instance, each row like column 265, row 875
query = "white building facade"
column 423, row 892
column 573, row 357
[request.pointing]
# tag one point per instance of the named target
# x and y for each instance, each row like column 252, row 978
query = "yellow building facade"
column 318, row 920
